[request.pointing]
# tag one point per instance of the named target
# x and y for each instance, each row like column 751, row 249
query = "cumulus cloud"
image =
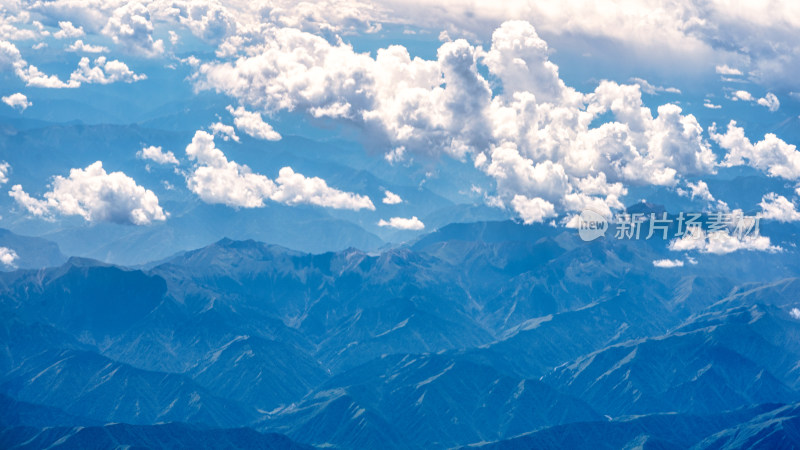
column 12, row 26
column 390, row 198
column 11, row 60
column 397, row 99
column 215, row 179
column 521, row 59
column 80, row 47
column 537, row 138
column 532, row 209
column 326, row 17
column 294, row 188
column 96, row 196
column 252, row 124
column 770, row 101
column 667, row 263
column 760, row 39
column 778, row 207
column 226, row 132
column 17, row 101
column 721, row 242
column 130, row 28
column 103, row 71
column 8, row 257
column 68, row 30
column 697, row 190
column 742, row 95
column 157, row 155
column 771, row 155
column 401, row 223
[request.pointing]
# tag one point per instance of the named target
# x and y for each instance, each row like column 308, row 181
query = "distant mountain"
column 84, row 297
column 171, row 435
column 658, row 431
column 31, row 252
column 86, row 384
column 779, row 428
column 372, row 304
column 476, row 333
column 53, row 148
column 267, row 374
column 432, row 401
column 690, row 370
column 14, row 413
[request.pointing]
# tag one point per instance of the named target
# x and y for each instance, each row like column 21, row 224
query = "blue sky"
column 531, row 112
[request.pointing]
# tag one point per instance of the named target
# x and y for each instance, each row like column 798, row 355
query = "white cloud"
column 778, row 207
column 795, row 313
column 131, row 28
column 515, row 173
column 17, row 101
column 390, row 198
column 226, row 132
column 669, row 36
column 652, row 89
column 399, row 101
column 707, row 103
column 521, row 60
column 771, row 155
column 252, row 124
column 770, row 101
column 11, row 59
column 10, row 27
column 536, row 139
column 327, row 18
column 103, row 71
column 697, row 190
column 215, row 179
column 727, row 70
column 80, row 47
column 532, row 209
column 211, row 21
column 8, row 257
column 157, row 155
column 678, row 36
column 294, row 188
column 403, row 224
column 68, row 30
column 96, row 196
column 4, row 169
column 742, row 95
column 668, row 263
column 721, row 242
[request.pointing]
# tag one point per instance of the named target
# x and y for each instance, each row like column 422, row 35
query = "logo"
column 591, row 225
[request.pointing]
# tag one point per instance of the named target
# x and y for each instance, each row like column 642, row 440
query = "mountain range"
column 491, row 334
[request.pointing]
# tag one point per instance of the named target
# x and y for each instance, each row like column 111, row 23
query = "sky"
column 537, row 110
